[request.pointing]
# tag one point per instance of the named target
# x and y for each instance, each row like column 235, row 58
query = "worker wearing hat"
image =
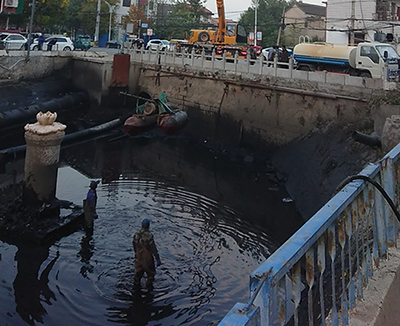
column 145, row 253
column 89, row 204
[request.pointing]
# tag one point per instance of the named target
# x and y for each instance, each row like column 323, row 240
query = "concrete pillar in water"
column 43, row 140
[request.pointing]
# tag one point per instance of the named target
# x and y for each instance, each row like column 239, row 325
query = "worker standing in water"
column 90, row 203
column 145, row 253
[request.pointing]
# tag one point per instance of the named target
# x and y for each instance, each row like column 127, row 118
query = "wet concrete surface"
column 318, row 162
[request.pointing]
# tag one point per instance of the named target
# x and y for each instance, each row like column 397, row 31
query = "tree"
column 136, row 16
column 269, row 14
column 183, row 16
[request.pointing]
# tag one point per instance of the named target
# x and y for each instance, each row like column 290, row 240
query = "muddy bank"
column 316, row 163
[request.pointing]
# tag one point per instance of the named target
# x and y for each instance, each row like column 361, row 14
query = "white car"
column 63, row 43
column 11, row 41
column 156, row 44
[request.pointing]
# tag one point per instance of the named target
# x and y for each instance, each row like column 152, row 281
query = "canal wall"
column 246, row 108
column 17, row 66
column 264, row 108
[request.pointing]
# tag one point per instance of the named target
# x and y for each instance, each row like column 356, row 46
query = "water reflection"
column 31, row 290
column 213, row 223
column 86, row 252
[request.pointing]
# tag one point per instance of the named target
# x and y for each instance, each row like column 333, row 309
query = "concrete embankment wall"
column 16, row 65
column 254, row 108
column 276, row 110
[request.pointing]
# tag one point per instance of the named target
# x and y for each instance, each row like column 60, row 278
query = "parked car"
column 82, row 42
column 12, row 41
column 113, row 44
column 63, row 43
column 156, row 44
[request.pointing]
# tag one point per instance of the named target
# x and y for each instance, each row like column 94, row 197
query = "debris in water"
column 287, row 200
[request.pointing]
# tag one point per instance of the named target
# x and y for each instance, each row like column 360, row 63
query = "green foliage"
column 59, row 16
column 269, row 17
column 185, row 15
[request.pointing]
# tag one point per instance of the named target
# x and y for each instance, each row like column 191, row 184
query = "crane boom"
column 221, row 22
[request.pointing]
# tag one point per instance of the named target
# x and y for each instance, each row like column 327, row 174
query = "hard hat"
column 146, row 223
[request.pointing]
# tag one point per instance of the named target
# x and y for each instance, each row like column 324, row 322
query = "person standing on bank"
column 145, row 253
column 90, row 203
column 284, row 57
column 52, row 42
column 41, row 40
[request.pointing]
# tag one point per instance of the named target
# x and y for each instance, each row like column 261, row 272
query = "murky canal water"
column 214, row 220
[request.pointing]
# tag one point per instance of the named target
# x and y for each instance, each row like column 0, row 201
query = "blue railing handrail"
column 350, row 205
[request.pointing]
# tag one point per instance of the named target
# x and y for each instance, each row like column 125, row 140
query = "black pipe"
column 372, row 140
column 376, row 185
column 12, row 153
column 21, row 115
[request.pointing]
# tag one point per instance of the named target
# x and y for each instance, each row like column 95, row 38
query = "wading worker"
column 145, row 253
column 89, row 204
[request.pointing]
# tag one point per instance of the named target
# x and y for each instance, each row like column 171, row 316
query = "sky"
column 233, row 8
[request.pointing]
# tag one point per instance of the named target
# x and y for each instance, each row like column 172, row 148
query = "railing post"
column 275, row 65
column 173, row 54
column 261, row 60
column 212, row 59
column 203, row 52
column 183, row 57
column 387, row 170
column 224, row 59
column 291, row 67
column 248, row 61
column 192, row 57
column 235, row 60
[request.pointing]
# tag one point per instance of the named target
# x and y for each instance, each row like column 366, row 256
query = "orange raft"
column 155, row 113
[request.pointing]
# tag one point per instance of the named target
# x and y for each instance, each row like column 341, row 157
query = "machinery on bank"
column 363, row 60
column 224, row 39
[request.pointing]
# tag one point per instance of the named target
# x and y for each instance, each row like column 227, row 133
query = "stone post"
column 43, row 140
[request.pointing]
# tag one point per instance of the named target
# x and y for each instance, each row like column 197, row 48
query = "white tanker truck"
column 364, row 59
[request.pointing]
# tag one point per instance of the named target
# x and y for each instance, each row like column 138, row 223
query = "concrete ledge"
column 380, row 305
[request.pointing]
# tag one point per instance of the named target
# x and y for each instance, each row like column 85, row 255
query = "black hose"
column 376, row 185
column 372, row 140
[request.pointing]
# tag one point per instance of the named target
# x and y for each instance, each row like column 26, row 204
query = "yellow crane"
column 225, row 38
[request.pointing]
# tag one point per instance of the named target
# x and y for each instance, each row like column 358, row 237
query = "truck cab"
column 370, row 59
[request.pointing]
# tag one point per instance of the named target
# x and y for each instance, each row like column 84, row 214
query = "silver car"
column 12, row 41
column 156, row 44
column 63, row 43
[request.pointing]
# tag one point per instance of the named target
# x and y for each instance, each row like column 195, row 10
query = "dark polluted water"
column 214, row 219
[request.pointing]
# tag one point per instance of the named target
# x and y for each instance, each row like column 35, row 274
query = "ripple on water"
column 208, row 251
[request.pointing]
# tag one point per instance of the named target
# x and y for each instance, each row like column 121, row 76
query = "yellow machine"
column 227, row 34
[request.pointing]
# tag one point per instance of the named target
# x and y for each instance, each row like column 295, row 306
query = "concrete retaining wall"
column 275, row 109
column 15, row 65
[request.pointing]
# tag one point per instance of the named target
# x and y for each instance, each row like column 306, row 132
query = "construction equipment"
column 227, row 35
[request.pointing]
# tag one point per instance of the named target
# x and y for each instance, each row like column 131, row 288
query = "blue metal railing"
column 325, row 265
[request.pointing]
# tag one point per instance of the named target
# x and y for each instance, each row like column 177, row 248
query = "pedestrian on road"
column 90, row 203
column 52, row 42
column 41, row 40
column 284, row 57
column 271, row 55
column 145, row 253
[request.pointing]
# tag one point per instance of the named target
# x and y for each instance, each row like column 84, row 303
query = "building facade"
column 304, row 19
column 358, row 21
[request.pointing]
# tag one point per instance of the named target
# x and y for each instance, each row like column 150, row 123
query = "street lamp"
column 110, row 9
column 97, row 30
column 255, row 22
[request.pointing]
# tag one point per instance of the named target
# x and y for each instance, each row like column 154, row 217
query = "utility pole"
column 353, row 18
column 255, row 22
column 97, row 30
column 280, row 27
column 30, row 29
